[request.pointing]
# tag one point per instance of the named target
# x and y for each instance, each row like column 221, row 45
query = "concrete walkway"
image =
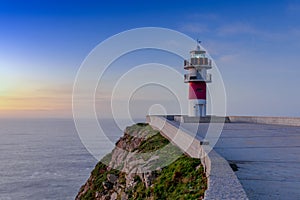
column 267, row 156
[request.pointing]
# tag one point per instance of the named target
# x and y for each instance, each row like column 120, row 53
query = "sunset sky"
column 255, row 44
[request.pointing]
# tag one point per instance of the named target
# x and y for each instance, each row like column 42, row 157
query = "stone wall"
column 289, row 121
column 222, row 181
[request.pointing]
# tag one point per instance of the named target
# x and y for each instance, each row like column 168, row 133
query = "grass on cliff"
column 141, row 130
column 153, row 143
column 182, row 179
column 99, row 175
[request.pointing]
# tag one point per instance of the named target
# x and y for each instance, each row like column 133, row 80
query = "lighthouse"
column 197, row 78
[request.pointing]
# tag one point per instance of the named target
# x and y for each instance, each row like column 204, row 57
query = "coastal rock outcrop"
column 144, row 165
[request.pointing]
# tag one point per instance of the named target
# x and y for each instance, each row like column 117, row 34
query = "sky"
column 255, row 45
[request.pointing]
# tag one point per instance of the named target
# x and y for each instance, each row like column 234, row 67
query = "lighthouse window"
column 199, row 90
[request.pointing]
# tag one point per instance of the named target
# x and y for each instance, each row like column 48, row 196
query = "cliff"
column 144, row 165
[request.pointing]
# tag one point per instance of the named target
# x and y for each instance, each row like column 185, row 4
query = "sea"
column 45, row 158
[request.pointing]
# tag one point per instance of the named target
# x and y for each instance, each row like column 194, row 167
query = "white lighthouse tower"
column 197, row 77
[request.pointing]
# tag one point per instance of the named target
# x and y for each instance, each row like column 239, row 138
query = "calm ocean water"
column 44, row 158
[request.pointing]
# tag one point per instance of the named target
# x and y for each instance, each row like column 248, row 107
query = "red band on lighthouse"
column 197, row 90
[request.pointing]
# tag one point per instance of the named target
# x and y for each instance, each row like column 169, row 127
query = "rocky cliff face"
column 144, row 165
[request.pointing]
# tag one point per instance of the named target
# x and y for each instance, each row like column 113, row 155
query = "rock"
column 128, row 142
column 84, row 188
column 114, row 196
column 148, row 178
column 106, row 197
column 112, row 178
column 107, row 185
column 124, row 196
column 134, row 168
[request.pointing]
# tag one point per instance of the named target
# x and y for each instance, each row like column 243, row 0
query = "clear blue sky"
column 255, row 44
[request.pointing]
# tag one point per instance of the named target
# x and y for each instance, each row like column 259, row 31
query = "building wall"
column 197, row 90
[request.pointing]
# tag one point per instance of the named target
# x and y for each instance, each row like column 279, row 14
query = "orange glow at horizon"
column 31, row 103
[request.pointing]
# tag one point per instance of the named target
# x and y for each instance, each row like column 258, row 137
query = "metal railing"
column 198, row 62
column 189, row 77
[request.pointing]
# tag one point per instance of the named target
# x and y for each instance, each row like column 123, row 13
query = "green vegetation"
column 99, row 175
column 141, row 130
column 182, row 179
column 157, row 145
column 153, row 143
